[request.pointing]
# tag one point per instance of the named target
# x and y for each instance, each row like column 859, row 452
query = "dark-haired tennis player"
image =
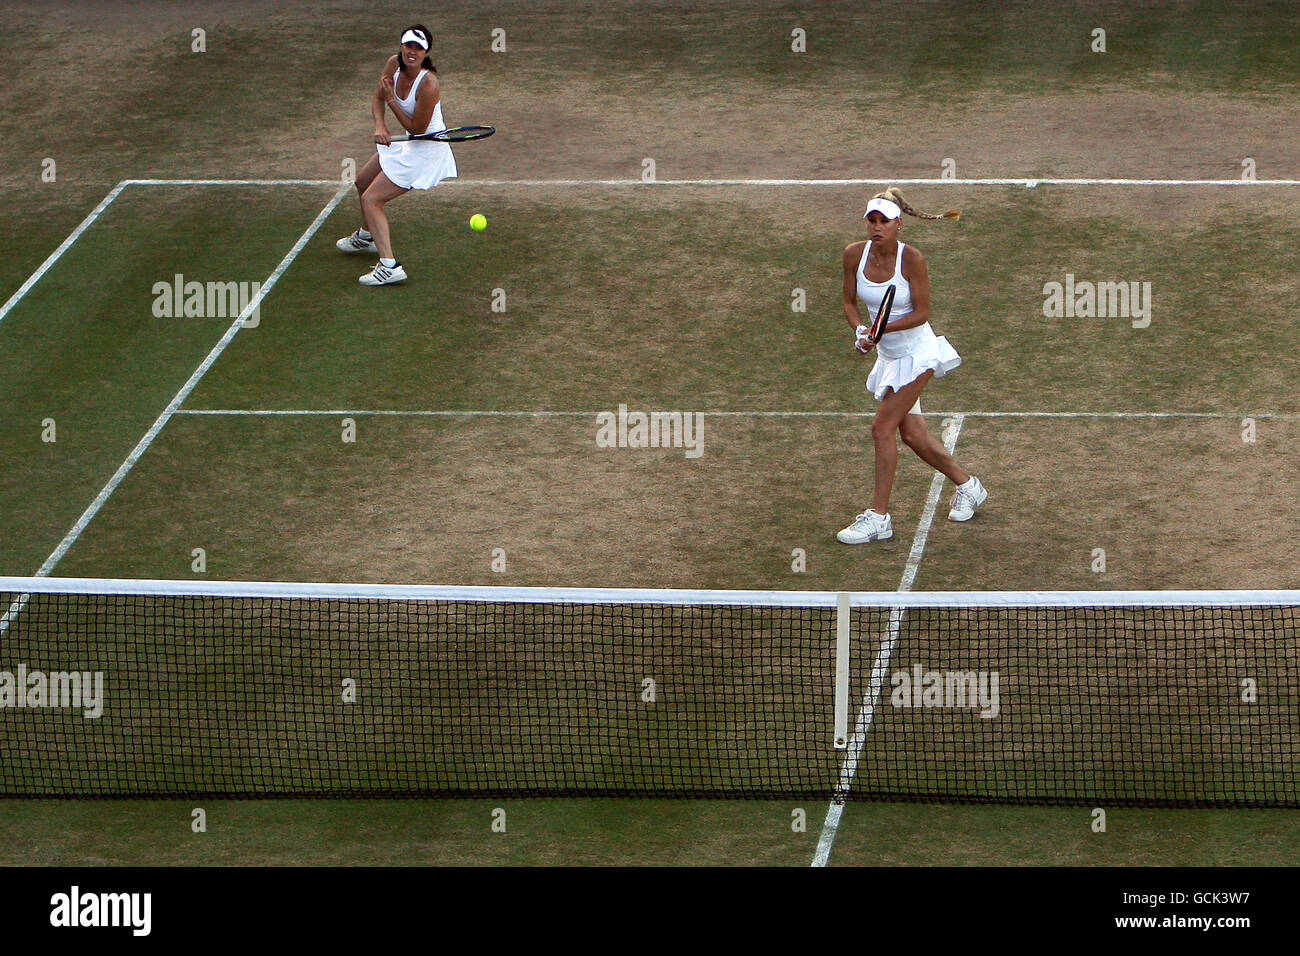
column 409, row 87
column 908, row 355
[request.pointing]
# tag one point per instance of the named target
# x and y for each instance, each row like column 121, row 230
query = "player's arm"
column 426, row 98
column 918, row 281
column 383, row 93
column 852, row 256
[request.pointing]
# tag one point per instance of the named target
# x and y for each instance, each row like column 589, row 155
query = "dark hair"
column 420, row 28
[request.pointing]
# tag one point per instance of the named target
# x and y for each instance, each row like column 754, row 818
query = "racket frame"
column 456, row 134
column 882, row 317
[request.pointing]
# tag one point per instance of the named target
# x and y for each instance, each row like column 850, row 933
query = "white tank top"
column 407, row 104
column 871, row 294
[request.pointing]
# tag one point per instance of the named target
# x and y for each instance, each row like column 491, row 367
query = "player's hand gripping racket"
column 882, row 317
column 457, row 134
column 868, row 337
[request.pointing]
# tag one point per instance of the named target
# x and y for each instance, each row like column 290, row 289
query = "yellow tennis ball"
column 478, row 222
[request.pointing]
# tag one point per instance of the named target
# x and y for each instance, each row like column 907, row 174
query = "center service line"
column 875, row 686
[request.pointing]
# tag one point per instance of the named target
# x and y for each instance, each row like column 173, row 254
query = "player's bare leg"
column 929, row 449
column 362, row 240
column 380, row 190
column 890, row 413
column 365, row 176
column 970, row 493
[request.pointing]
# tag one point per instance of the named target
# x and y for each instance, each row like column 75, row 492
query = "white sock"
column 362, row 234
column 970, row 483
column 387, row 263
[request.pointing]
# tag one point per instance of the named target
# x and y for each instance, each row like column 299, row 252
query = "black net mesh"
column 137, row 695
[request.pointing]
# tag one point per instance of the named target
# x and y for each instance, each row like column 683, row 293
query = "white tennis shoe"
column 354, row 243
column 967, row 499
column 867, row 526
column 384, row 275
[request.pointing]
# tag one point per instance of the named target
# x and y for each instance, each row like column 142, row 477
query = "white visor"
column 885, row 207
column 411, row 36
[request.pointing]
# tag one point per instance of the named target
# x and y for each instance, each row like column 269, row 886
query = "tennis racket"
column 882, row 317
column 457, row 134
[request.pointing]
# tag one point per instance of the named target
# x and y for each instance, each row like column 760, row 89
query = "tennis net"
column 140, row 688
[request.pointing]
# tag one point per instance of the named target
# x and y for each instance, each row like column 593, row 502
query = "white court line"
column 867, row 712
column 63, row 247
column 116, row 191
column 88, row 515
column 14, row 299
column 487, row 413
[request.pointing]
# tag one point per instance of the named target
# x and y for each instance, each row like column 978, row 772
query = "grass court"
column 1166, row 445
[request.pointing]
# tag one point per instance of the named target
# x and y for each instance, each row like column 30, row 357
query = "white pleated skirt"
column 924, row 352
column 421, row 164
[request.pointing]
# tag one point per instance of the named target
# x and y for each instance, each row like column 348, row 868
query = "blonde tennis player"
column 409, row 88
column 908, row 356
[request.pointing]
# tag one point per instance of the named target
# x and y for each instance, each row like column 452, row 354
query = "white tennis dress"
column 421, row 164
column 901, row 357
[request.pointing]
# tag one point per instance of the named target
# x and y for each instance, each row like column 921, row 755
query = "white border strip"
column 555, row 595
column 421, row 592
column 63, row 247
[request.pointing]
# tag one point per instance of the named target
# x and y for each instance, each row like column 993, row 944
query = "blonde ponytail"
column 894, row 196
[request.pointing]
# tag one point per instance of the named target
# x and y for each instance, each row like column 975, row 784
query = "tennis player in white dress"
column 408, row 87
column 908, row 355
